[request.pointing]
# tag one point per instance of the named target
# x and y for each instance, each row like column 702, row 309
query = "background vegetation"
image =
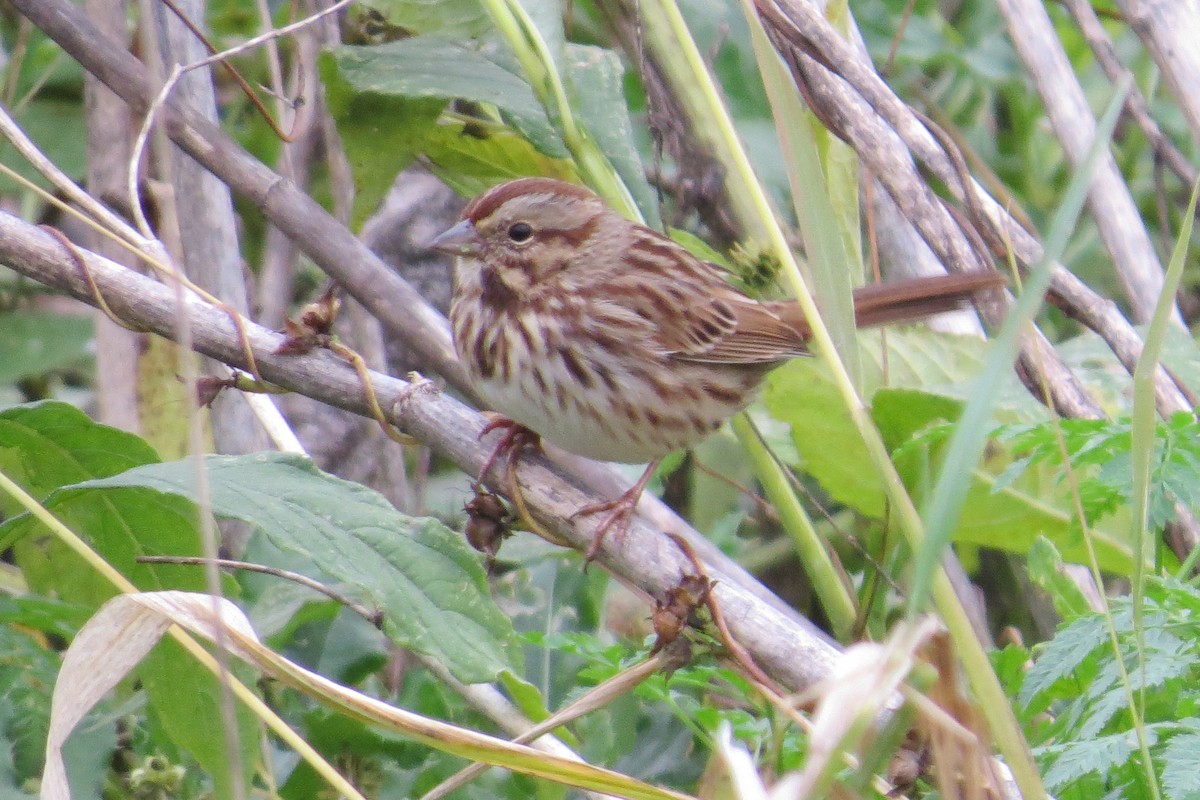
column 1003, row 557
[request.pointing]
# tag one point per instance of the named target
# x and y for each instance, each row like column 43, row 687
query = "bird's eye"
column 520, row 232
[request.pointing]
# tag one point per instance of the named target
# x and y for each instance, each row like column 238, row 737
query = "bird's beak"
column 461, row 240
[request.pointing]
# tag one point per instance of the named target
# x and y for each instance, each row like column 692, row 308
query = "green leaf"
column 1045, row 567
column 427, row 67
column 598, row 97
column 50, row 444
column 27, row 671
column 28, row 668
column 52, row 449
column 381, row 133
column 121, row 524
column 802, row 394
column 34, row 342
column 423, row 576
column 181, row 691
column 472, row 158
column 459, row 18
column 1062, row 655
column 1071, row 762
column 1181, row 767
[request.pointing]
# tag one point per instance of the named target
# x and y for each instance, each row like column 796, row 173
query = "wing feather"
column 694, row 314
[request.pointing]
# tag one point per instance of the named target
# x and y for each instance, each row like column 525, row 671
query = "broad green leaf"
column 34, row 342
column 382, row 132
column 471, row 159
column 598, row 98
column 427, row 67
column 801, row 394
column 428, row 583
column 50, row 444
column 122, row 524
column 459, row 18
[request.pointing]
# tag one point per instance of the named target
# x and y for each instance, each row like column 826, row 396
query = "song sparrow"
column 615, row 343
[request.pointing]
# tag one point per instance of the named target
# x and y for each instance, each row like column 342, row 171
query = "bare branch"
column 1170, row 30
column 1117, row 218
column 328, row 243
column 1135, row 104
column 853, row 100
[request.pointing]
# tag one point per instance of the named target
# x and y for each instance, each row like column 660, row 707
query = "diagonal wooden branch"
column 854, row 101
column 331, row 245
column 888, row 135
column 786, row 646
column 1170, row 29
column 1136, row 105
column 1109, row 199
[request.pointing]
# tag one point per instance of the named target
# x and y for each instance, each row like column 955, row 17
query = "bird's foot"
column 621, row 514
column 516, row 437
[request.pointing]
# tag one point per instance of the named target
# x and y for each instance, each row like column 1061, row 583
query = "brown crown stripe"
column 486, row 204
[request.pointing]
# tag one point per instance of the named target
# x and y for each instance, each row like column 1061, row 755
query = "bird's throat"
column 494, row 292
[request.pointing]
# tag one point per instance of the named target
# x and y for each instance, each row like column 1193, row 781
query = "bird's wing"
column 729, row 328
column 687, row 311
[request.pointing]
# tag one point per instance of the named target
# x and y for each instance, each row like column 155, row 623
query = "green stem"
column 541, row 71
column 836, row 599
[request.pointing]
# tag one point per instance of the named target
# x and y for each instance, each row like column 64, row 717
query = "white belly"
column 619, row 415
column 590, row 427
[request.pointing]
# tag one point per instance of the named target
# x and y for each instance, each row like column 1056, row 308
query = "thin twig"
column 374, row 617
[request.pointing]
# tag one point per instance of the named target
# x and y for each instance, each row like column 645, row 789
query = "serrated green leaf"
column 1007, row 512
column 1181, row 767
column 428, row 583
column 27, row 671
column 1062, row 655
column 1099, row 756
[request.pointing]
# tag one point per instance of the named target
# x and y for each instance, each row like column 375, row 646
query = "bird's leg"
column 622, row 509
column 516, row 437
